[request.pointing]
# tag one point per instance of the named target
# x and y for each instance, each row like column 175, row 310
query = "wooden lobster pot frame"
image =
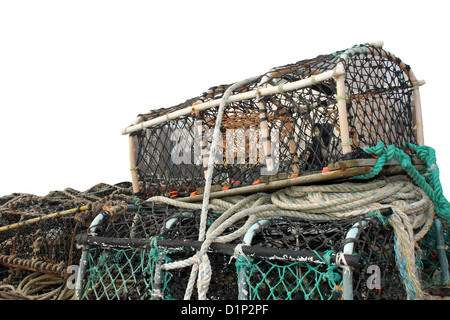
column 291, row 120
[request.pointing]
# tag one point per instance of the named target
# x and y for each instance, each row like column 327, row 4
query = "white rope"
column 238, row 251
column 342, row 262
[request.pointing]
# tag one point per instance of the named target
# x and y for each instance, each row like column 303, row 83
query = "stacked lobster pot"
column 310, row 181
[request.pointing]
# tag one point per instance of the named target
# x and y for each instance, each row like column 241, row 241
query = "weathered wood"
column 278, row 184
column 415, row 160
column 338, row 170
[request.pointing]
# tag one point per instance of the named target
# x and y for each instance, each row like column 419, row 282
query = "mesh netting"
column 290, row 132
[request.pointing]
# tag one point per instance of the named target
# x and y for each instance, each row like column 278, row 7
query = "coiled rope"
column 37, row 286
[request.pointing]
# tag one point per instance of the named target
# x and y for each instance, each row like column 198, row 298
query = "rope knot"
column 331, row 275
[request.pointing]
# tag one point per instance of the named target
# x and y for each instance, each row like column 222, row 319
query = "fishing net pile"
column 308, row 182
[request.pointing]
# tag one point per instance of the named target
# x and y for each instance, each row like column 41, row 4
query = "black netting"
column 380, row 98
column 156, row 220
column 292, row 132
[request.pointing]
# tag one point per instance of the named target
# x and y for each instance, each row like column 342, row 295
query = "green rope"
column 430, row 185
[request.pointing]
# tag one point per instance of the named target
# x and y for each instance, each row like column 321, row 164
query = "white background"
column 73, row 74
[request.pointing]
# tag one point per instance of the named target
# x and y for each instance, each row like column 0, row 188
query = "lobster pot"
column 124, row 258
column 291, row 120
column 278, row 258
column 134, row 273
column 37, row 233
column 373, row 276
column 45, row 247
column 33, row 241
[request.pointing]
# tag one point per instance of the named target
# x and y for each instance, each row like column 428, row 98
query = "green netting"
column 262, row 279
column 122, row 274
column 136, row 274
